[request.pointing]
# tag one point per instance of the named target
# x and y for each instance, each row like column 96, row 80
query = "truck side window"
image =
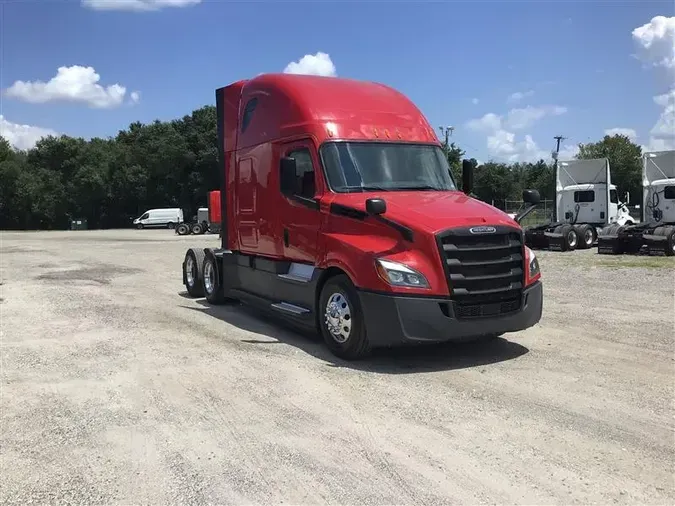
column 248, row 113
column 145, row 216
column 669, row 193
column 613, row 197
column 584, row 196
column 304, row 171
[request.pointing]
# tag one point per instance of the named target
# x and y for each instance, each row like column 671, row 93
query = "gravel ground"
column 117, row 389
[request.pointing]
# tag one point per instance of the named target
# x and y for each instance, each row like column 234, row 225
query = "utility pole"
column 447, row 131
column 558, row 139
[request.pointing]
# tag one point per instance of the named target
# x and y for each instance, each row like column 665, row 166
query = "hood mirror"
column 531, row 197
column 375, row 207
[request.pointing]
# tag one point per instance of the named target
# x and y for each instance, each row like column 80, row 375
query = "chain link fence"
column 543, row 213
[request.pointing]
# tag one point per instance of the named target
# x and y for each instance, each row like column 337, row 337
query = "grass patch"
column 646, row 262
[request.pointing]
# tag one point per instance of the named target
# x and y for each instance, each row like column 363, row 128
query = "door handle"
column 285, row 237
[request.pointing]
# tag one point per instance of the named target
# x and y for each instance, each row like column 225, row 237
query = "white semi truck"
column 656, row 231
column 586, row 201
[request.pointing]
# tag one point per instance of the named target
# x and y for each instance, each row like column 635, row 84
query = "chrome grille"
column 485, row 272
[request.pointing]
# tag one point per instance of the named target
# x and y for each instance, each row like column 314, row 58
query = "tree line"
column 108, row 182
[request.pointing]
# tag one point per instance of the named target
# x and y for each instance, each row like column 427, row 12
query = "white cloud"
column 519, row 95
column 475, row 101
column 656, row 47
column 136, row 5
column 488, row 123
column 522, row 118
column 135, row 97
column 656, row 42
column 318, row 64
column 515, row 119
column 71, row 84
column 503, row 143
column 628, row 132
column 22, row 136
column 568, row 152
column 662, row 135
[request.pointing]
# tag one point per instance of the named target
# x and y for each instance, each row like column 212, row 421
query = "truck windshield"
column 380, row 166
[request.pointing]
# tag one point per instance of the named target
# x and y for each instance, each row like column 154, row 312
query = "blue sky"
column 578, row 66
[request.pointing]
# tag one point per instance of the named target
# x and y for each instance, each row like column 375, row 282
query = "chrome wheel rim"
column 209, row 277
column 588, row 236
column 338, row 317
column 190, row 271
column 572, row 238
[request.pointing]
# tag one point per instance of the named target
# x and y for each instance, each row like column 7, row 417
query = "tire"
column 193, row 272
column 587, row 235
column 670, row 242
column 139, row 226
column 183, row 229
column 212, row 285
column 197, row 229
column 570, row 238
column 339, row 309
column 171, row 225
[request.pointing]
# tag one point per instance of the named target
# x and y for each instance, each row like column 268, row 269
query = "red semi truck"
column 339, row 213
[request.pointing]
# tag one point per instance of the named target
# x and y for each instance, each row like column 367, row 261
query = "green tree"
column 624, row 162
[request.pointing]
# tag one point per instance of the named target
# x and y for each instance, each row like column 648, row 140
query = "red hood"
column 431, row 211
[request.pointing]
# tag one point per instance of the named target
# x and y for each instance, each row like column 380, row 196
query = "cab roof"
column 287, row 105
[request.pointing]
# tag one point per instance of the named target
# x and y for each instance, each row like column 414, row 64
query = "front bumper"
column 397, row 320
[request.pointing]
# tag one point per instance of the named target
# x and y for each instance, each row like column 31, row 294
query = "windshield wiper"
column 367, row 188
column 420, row 187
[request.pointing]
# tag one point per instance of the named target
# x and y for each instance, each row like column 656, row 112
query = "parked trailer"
column 656, row 231
column 586, row 201
column 340, row 215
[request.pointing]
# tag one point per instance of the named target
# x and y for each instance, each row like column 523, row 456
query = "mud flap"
column 556, row 242
column 658, row 243
column 609, row 245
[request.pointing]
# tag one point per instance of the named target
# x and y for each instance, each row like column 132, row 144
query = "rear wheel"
column 197, row 229
column 586, row 235
column 193, row 272
column 211, row 281
column 569, row 237
column 183, row 229
column 669, row 232
column 341, row 319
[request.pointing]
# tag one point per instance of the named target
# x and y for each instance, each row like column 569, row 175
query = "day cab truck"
column 656, row 231
column 339, row 213
column 586, row 201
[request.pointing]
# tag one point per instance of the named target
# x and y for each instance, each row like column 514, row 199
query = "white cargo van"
column 154, row 218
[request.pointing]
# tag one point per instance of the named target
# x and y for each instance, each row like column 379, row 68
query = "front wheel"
column 139, row 226
column 171, row 225
column 341, row 319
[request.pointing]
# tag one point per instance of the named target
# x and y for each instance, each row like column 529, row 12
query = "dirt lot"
column 117, row 389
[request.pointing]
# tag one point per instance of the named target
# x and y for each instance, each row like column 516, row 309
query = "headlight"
column 397, row 274
column 533, row 265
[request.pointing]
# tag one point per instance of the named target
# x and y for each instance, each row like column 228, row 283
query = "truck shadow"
column 427, row 358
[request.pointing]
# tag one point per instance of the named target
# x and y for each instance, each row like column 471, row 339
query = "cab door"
column 300, row 216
